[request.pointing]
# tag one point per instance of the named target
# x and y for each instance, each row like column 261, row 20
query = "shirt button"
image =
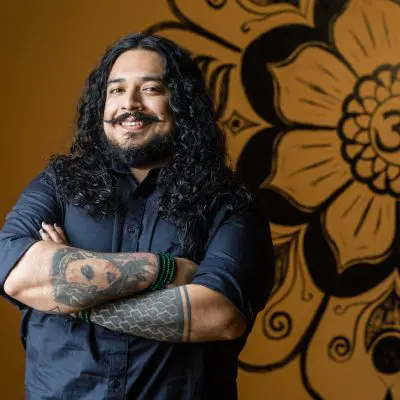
column 131, row 229
column 115, row 384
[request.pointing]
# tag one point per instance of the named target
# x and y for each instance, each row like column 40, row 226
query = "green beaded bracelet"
column 84, row 315
column 166, row 271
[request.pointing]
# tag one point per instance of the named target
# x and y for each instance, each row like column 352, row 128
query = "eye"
column 153, row 89
column 116, row 90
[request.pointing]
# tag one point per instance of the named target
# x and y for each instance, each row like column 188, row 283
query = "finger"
column 44, row 235
column 170, row 286
column 55, row 237
column 61, row 232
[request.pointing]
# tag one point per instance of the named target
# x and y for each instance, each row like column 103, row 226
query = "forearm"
column 57, row 278
column 189, row 313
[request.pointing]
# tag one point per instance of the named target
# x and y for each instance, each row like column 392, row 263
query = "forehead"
column 138, row 63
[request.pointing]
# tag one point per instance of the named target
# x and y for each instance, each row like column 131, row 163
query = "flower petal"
column 354, row 107
column 380, row 181
column 379, row 165
column 393, row 172
column 370, row 105
column 368, row 34
column 363, row 121
column 349, row 128
column 361, row 225
column 382, row 93
column 364, row 168
column 312, row 86
column 385, row 77
column 368, row 153
column 353, row 150
column 367, row 88
column 363, row 137
column 309, row 167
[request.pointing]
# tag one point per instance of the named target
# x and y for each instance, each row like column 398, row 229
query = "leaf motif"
column 219, row 85
column 203, row 63
column 216, row 81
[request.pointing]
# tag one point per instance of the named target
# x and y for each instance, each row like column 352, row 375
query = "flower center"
column 370, row 130
column 385, row 130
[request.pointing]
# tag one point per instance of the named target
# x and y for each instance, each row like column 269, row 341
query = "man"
column 152, row 265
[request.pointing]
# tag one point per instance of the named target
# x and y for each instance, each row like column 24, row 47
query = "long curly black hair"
column 193, row 182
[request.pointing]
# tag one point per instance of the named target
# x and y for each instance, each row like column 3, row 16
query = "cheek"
column 161, row 108
column 109, row 113
column 110, row 107
column 107, row 127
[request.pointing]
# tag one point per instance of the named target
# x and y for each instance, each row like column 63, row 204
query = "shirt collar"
column 119, row 168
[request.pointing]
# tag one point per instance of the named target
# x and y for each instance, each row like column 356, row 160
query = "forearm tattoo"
column 82, row 279
column 161, row 315
column 188, row 314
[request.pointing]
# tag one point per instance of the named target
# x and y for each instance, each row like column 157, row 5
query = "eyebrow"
column 145, row 78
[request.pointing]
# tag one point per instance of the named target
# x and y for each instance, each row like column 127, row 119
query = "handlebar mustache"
column 136, row 114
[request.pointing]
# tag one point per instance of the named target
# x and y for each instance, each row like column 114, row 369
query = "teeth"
column 133, row 123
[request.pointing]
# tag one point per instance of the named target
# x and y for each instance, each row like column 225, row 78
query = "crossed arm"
column 54, row 277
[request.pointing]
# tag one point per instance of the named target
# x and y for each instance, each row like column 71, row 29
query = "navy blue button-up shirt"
column 70, row 359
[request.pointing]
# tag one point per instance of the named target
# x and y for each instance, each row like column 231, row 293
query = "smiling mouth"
column 134, row 125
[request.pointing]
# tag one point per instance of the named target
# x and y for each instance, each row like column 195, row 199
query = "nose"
column 132, row 101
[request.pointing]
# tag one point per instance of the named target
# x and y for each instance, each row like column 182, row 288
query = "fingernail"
column 55, row 224
column 44, row 223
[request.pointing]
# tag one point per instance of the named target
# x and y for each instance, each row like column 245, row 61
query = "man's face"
column 136, row 84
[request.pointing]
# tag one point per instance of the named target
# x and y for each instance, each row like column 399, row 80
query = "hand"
column 53, row 233
column 185, row 270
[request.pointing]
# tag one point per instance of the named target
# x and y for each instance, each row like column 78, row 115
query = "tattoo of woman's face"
column 82, row 272
column 82, row 278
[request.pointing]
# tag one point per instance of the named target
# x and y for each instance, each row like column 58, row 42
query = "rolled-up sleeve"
column 37, row 203
column 239, row 262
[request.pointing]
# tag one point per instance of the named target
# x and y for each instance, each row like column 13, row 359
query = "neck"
column 140, row 174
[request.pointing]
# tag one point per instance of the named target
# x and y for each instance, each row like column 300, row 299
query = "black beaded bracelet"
column 166, row 271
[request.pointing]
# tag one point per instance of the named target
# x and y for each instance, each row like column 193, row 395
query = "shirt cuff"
column 228, row 287
column 10, row 254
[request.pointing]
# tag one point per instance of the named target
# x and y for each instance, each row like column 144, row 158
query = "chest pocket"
column 89, row 233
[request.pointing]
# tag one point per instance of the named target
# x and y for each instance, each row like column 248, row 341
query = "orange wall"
column 48, row 48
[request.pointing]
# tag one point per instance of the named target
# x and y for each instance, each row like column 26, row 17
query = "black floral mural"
column 308, row 93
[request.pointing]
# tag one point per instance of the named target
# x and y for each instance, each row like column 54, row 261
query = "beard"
column 154, row 152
